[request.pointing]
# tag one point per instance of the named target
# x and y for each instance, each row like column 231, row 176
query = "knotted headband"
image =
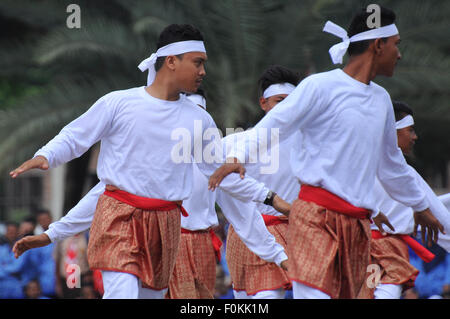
column 338, row 50
column 278, row 88
column 175, row 48
column 404, row 122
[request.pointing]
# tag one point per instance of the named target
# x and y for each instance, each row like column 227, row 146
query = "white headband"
column 170, row 49
column 279, row 88
column 337, row 51
column 197, row 99
column 404, row 122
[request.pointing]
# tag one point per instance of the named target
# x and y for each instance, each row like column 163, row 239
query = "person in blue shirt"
column 433, row 276
column 14, row 273
column 44, row 258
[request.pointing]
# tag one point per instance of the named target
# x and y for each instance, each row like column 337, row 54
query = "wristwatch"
column 269, row 198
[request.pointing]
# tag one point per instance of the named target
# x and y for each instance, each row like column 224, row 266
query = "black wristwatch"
column 269, row 198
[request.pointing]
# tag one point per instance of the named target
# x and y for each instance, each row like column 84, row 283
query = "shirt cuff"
column 51, row 233
column 280, row 257
column 47, row 155
column 421, row 206
column 261, row 195
column 375, row 213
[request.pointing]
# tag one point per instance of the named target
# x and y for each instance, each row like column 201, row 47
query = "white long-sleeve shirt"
column 201, row 205
column 402, row 217
column 79, row 218
column 445, row 199
column 69, row 144
column 141, row 137
column 349, row 138
column 273, row 169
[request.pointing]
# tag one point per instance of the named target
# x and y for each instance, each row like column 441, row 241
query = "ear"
column 171, row 62
column 263, row 103
column 378, row 46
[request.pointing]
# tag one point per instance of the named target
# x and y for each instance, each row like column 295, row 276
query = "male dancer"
column 390, row 252
column 348, row 129
column 194, row 275
column 252, row 277
column 136, row 228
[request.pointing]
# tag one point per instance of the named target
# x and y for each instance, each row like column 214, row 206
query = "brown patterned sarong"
column 248, row 271
column 328, row 251
column 194, row 275
column 131, row 240
column 392, row 255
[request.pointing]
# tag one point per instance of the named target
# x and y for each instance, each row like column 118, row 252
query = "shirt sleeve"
column 250, row 227
column 394, row 173
column 247, row 189
column 300, row 108
column 79, row 135
column 79, row 218
column 439, row 210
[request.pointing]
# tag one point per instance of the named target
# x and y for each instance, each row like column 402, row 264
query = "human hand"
column 232, row 165
column 29, row 242
column 381, row 219
column 429, row 225
column 37, row 162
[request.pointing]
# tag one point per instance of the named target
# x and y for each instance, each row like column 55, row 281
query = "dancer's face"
column 269, row 103
column 190, row 70
column 407, row 139
column 388, row 55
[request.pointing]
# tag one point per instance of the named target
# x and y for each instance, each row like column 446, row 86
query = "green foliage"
column 51, row 74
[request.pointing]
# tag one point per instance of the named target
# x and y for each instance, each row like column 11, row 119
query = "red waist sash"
column 331, row 201
column 144, row 202
column 420, row 250
column 217, row 243
column 271, row 220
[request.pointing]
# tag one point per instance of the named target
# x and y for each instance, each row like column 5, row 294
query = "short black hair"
column 12, row 223
column 176, row 33
column 359, row 24
column 277, row 74
column 30, row 219
column 42, row 211
column 401, row 110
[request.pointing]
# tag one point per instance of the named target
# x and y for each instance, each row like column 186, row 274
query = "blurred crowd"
column 44, row 273
column 48, row 272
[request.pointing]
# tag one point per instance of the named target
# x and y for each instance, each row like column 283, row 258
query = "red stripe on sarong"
column 332, row 202
column 216, row 242
column 420, row 250
column 144, row 202
column 271, row 220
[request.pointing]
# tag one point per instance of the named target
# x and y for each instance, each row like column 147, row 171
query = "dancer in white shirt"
column 194, row 275
column 136, row 227
column 390, row 252
column 348, row 129
column 252, row 277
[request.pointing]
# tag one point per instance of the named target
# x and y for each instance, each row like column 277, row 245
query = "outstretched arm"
column 73, row 140
column 301, row 108
column 77, row 220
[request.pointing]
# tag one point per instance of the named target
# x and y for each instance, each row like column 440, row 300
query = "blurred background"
column 50, row 74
